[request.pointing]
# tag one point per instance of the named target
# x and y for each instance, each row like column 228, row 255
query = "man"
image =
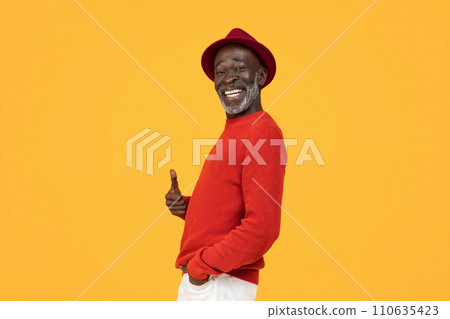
column 232, row 217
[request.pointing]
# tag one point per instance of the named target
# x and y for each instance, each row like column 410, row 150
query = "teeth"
column 233, row 92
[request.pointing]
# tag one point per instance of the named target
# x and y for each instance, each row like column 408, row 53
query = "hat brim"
column 264, row 54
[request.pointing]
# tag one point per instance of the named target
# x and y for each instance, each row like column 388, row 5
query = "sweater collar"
column 246, row 119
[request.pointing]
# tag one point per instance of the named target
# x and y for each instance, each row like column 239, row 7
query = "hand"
column 174, row 200
column 192, row 280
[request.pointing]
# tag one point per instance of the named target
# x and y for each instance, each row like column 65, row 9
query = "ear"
column 262, row 77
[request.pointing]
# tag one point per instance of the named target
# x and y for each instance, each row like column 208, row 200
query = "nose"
column 230, row 77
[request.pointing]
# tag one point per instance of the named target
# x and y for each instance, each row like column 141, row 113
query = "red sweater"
column 230, row 221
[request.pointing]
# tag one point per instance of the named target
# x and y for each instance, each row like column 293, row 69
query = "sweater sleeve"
column 262, row 189
column 186, row 201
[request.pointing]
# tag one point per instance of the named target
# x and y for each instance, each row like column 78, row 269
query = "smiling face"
column 238, row 78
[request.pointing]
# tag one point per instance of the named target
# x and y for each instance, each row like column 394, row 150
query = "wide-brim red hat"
column 241, row 37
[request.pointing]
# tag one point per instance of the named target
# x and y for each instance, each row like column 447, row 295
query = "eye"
column 240, row 68
column 219, row 72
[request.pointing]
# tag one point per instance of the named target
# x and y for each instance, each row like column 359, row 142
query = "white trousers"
column 221, row 287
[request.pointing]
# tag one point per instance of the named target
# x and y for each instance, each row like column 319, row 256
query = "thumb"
column 174, row 186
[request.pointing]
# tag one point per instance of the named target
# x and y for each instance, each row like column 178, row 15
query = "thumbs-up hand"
column 174, row 200
column 174, row 188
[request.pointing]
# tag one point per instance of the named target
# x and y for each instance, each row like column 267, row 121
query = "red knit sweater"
column 230, row 221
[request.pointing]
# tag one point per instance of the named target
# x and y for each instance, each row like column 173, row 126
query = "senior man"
column 233, row 216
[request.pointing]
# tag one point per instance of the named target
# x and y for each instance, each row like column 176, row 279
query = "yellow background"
column 376, row 105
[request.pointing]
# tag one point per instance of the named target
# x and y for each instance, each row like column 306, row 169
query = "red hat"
column 239, row 36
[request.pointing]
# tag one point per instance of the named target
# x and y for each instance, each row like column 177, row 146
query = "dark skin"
column 235, row 65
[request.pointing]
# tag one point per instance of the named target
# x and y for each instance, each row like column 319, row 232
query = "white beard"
column 250, row 96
